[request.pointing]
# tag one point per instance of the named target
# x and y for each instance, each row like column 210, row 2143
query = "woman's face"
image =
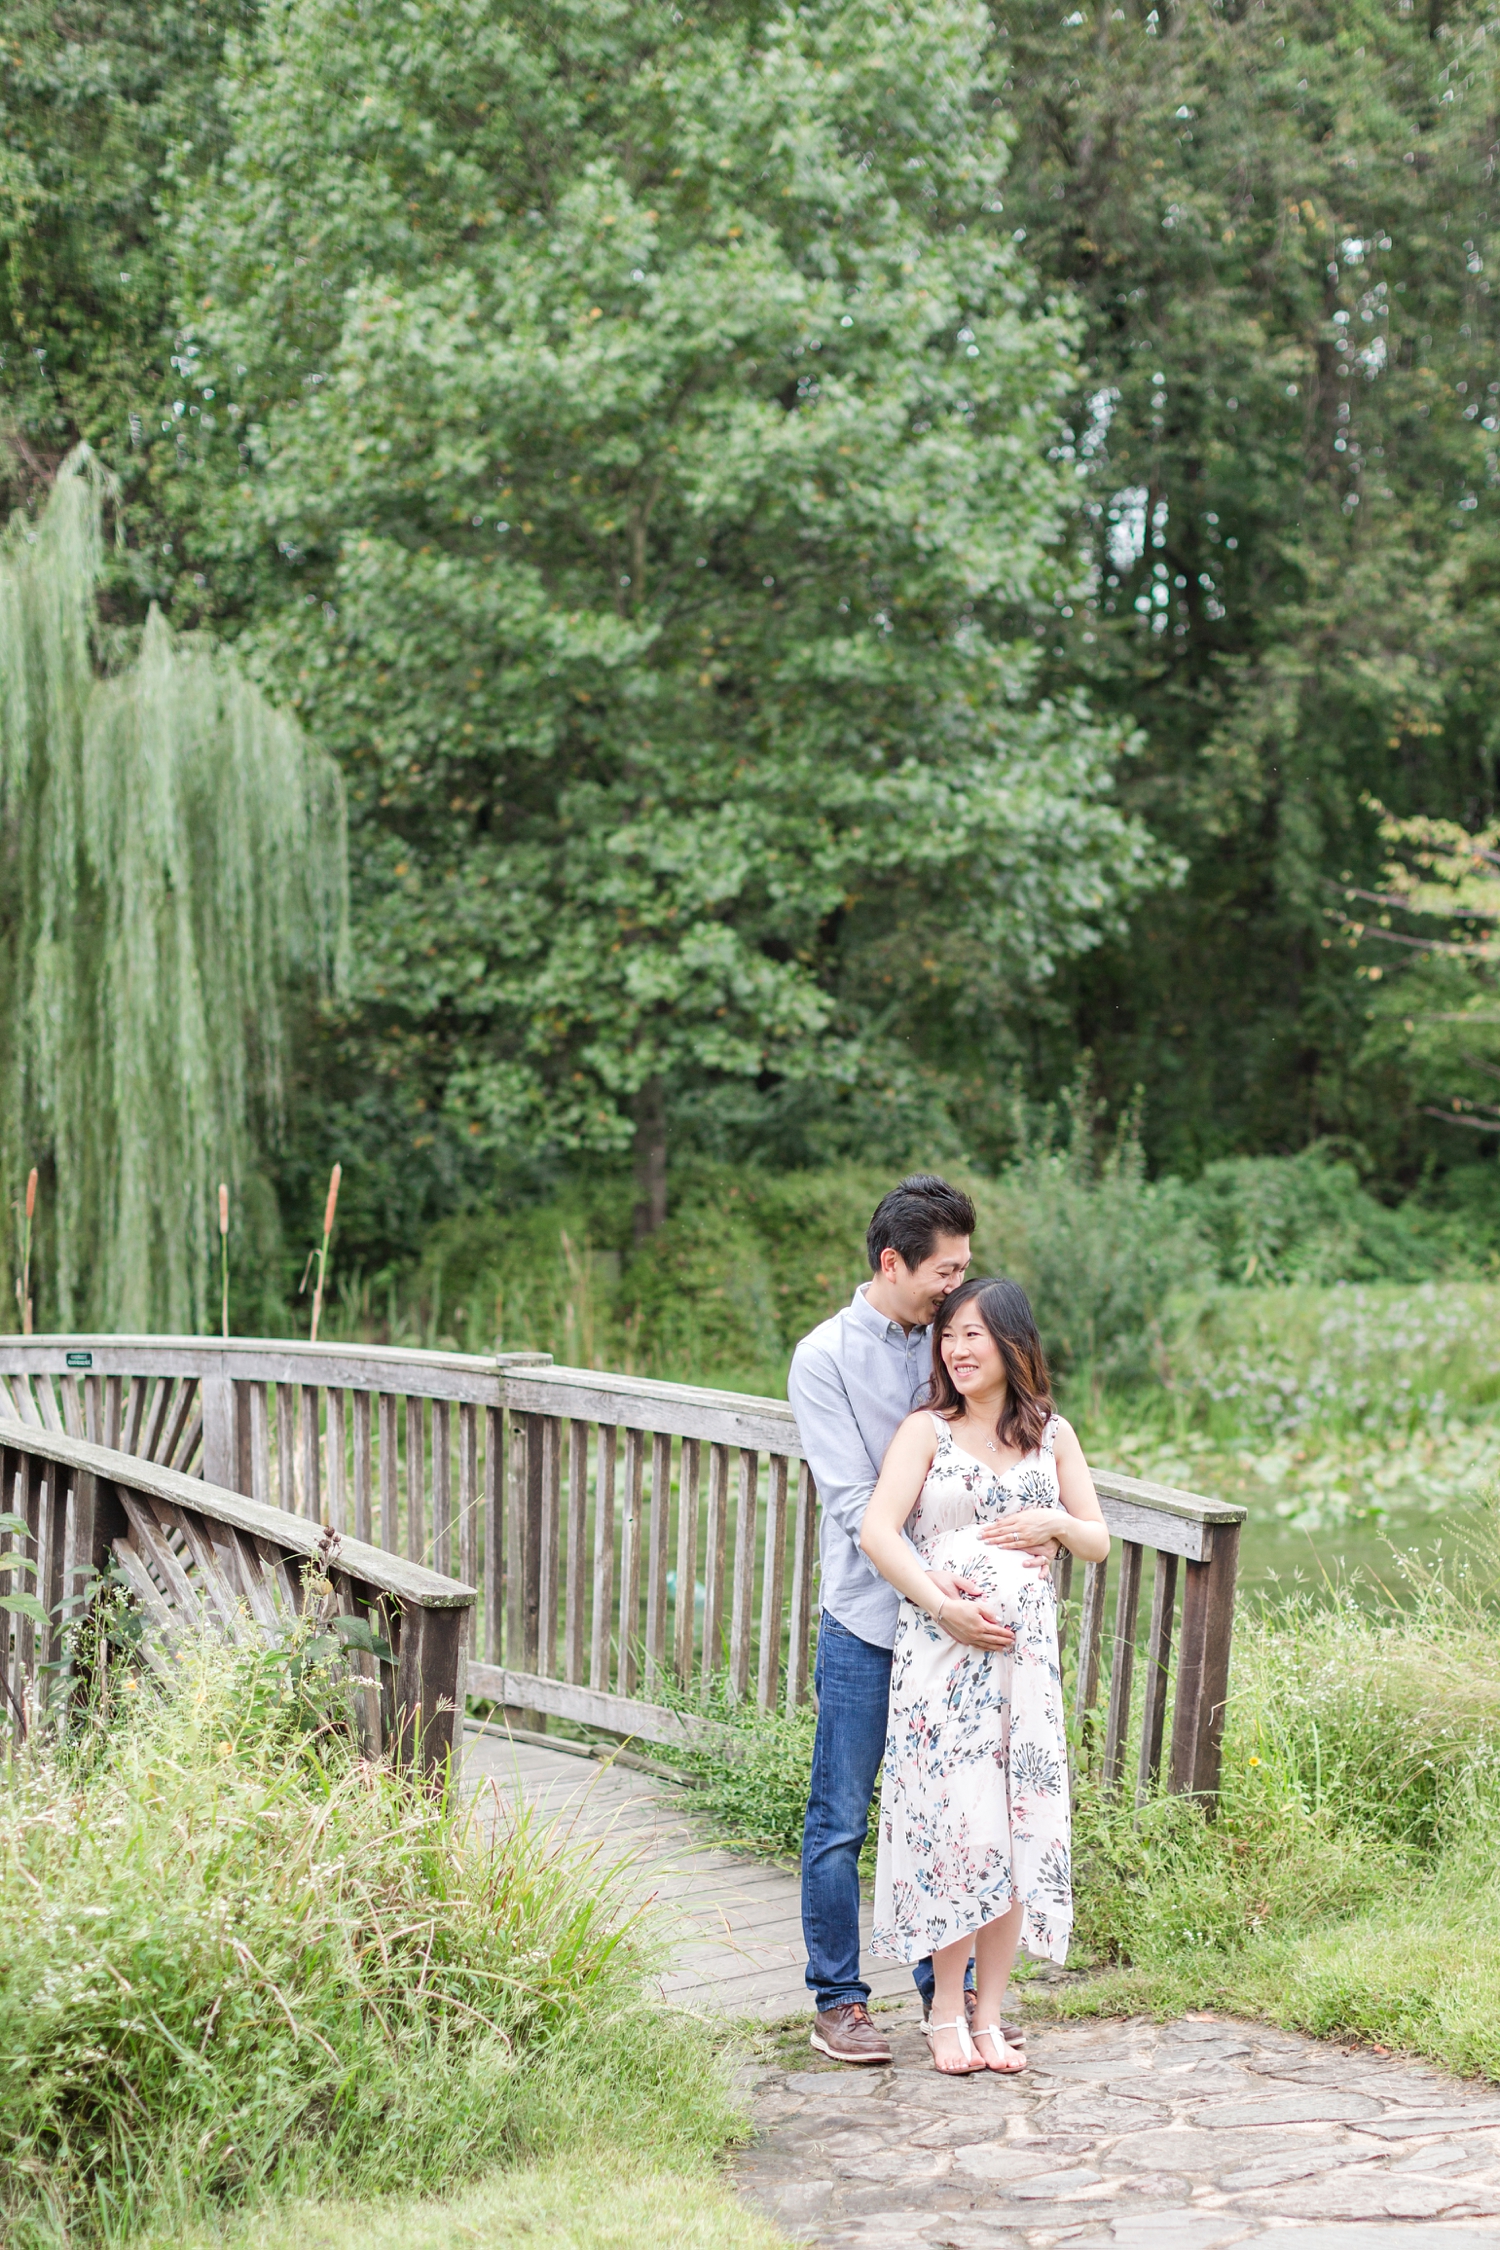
column 971, row 1355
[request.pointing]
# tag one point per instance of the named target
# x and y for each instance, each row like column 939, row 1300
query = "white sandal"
column 965, row 2048
column 1003, row 2046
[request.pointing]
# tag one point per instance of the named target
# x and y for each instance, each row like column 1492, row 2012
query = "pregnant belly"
column 1001, row 1571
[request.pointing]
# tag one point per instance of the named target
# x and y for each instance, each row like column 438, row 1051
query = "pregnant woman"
column 973, row 1844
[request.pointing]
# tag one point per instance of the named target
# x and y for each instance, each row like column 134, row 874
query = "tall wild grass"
column 1347, row 1883
column 237, row 1962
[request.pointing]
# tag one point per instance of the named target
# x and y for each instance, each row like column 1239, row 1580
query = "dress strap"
column 941, row 1426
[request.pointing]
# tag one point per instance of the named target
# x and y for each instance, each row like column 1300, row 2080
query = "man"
column 853, row 1381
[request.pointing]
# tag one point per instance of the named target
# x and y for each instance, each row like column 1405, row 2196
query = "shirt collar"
column 876, row 1324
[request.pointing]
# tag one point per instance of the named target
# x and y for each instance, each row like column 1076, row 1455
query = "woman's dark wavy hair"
column 1005, row 1309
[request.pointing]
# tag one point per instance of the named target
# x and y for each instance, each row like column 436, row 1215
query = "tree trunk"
column 650, row 1159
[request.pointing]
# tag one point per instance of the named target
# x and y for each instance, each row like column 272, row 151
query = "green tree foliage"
column 637, row 444
column 1278, row 220
column 105, row 107
column 173, row 857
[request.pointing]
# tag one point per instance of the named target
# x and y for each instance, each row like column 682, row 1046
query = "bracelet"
column 942, row 1605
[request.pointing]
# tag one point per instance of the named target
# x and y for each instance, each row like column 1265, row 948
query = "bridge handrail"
column 577, row 1491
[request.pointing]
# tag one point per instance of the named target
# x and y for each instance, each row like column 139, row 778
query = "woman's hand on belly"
column 968, row 1613
column 1031, row 1532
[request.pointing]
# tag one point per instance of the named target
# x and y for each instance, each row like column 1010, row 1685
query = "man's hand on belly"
column 978, row 1625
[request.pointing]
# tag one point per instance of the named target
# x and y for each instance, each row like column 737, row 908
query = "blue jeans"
column 853, row 1681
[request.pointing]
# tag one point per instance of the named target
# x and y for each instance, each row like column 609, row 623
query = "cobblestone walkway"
column 1180, row 2136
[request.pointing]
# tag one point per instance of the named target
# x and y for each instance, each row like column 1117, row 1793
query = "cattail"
column 23, row 1285
column 224, row 1260
column 329, row 1209
column 223, row 1208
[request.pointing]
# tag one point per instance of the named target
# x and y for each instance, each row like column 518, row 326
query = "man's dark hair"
column 910, row 1219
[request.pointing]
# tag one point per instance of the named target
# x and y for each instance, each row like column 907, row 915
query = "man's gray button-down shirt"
column 853, row 1382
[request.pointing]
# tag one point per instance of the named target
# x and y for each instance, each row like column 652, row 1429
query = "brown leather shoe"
column 847, row 2035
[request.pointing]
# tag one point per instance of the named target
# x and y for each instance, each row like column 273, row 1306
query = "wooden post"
column 1158, row 1661
column 260, row 1444
column 468, row 1509
column 494, row 1531
column 604, row 1557
column 1122, row 1668
column 1203, row 1666
column 428, row 1718
column 804, row 1557
column 656, row 1560
column 219, row 1464
column 687, row 1557
column 286, row 1446
column 1090, row 1635
column 390, row 1471
column 576, row 1603
column 630, row 1560
column 337, row 1441
column 772, row 1581
column 713, row 1562
column 744, row 1577
column 416, row 1495
column 548, row 1542
column 442, row 1489
column 363, row 1459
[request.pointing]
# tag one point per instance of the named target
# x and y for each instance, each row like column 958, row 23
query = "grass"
column 240, row 1967
column 569, row 2204
column 1347, row 1885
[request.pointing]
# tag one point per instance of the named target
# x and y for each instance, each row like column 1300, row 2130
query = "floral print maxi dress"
column 974, row 1795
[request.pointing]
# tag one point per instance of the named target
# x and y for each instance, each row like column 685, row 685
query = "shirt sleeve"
column 831, row 1438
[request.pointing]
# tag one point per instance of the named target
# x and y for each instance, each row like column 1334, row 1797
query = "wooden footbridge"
column 559, row 1543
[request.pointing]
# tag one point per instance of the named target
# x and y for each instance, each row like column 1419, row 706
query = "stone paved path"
column 1120, row 2136
column 1181, row 2136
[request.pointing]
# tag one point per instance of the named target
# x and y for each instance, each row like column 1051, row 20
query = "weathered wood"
column 260, row 1446
column 286, row 1447
column 771, row 1584
column 429, row 1662
column 468, row 1507
column 656, row 1560
column 640, row 1403
column 139, row 1391
column 291, row 1535
column 219, row 1464
column 442, row 1487
column 589, row 1707
column 363, row 1466
column 416, row 1509
column 337, row 1441
column 349, row 1367
column 1122, row 1666
column 312, row 1483
column 1158, row 1663
column 688, row 1477
column 155, row 1551
column 47, row 1402
column 716, row 1542
column 152, row 1432
column 744, row 1577
column 494, row 1531
column 390, row 1473
column 804, row 1559
column 1062, row 1578
column 549, row 1541
column 604, row 1558
column 630, row 1561
column 72, row 1405
column 1090, row 1636
column 51, row 1584
column 1203, row 1668
column 576, row 1602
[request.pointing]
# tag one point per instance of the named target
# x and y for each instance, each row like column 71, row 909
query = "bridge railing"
column 631, row 1541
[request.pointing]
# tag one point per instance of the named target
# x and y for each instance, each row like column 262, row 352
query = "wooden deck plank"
column 738, row 1949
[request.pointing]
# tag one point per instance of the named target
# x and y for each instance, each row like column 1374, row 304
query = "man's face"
column 921, row 1289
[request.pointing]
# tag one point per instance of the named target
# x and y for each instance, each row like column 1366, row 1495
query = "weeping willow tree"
column 172, row 866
